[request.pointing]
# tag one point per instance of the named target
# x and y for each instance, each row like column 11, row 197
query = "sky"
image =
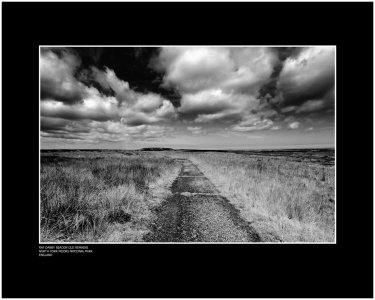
column 187, row 97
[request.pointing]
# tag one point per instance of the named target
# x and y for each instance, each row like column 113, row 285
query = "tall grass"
column 283, row 200
column 102, row 197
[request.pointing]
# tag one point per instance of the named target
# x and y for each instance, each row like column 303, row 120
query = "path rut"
column 196, row 212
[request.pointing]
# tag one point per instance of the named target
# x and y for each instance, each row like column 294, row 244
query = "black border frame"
column 341, row 270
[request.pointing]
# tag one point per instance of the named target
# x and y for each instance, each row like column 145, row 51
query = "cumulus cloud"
column 94, row 107
column 57, row 79
column 135, row 108
column 213, row 101
column 141, row 114
column 294, row 125
column 254, row 66
column 148, row 103
column 194, row 69
column 217, row 84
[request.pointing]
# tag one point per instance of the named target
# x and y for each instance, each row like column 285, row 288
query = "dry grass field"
column 283, row 200
column 109, row 196
column 103, row 196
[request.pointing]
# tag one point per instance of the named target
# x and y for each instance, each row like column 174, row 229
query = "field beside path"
column 284, row 201
column 101, row 196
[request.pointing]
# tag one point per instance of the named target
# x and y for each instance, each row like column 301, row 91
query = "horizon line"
column 200, row 149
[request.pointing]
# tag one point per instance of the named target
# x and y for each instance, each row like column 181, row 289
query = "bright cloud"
column 294, row 125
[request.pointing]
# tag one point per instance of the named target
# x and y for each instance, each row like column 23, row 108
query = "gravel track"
column 196, row 212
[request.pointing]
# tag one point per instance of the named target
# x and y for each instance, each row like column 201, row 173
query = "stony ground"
column 196, row 212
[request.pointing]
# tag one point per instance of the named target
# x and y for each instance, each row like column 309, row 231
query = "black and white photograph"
column 187, row 144
column 191, row 149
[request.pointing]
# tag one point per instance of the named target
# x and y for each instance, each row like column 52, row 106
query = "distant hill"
column 156, row 149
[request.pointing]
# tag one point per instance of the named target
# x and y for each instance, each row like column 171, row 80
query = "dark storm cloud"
column 296, row 95
column 302, row 81
column 131, row 64
column 172, row 95
column 322, row 106
column 317, row 91
column 269, row 90
column 93, row 77
column 74, row 66
column 287, row 52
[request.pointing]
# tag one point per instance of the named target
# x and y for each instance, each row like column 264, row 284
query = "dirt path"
column 198, row 213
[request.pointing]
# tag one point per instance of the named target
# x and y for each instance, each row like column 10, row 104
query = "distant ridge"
column 156, row 149
column 196, row 150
